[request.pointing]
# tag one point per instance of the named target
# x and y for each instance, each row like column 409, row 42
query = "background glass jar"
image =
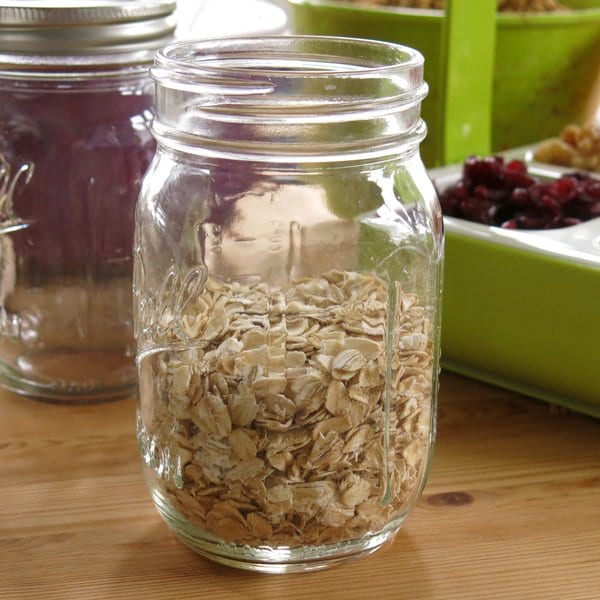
column 287, row 282
column 75, row 105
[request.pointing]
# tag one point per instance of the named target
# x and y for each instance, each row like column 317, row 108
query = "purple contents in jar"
column 71, row 162
column 89, row 152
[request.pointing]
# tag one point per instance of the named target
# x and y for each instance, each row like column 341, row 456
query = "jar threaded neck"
column 297, row 97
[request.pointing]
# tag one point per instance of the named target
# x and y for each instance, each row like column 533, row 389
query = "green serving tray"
column 521, row 309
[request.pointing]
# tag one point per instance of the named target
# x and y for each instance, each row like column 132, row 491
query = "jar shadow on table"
column 159, row 559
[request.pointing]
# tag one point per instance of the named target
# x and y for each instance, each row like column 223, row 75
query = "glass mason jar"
column 75, row 104
column 287, row 268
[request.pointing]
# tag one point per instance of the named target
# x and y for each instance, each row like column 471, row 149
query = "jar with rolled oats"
column 287, row 274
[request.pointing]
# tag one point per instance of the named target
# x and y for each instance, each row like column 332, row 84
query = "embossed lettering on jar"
column 75, row 106
column 288, row 254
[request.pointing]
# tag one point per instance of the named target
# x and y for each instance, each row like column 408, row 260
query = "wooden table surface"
column 511, row 510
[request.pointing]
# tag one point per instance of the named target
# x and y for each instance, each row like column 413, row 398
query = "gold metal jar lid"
column 84, row 26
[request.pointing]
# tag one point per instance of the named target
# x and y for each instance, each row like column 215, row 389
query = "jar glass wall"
column 287, row 283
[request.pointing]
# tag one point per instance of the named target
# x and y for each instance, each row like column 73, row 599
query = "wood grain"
column 511, row 510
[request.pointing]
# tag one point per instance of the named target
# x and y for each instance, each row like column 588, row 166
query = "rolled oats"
column 292, row 422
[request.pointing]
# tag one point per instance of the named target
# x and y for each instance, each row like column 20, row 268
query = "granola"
column 291, row 417
column 576, row 146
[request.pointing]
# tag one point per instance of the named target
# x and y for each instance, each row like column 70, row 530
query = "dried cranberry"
column 516, row 166
column 565, row 189
column 533, row 220
column 505, row 194
column 486, row 171
column 520, row 197
column 515, row 175
column 477, row 210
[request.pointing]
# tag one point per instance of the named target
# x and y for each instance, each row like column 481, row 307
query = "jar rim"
column 194, row 58
column 294, row 96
